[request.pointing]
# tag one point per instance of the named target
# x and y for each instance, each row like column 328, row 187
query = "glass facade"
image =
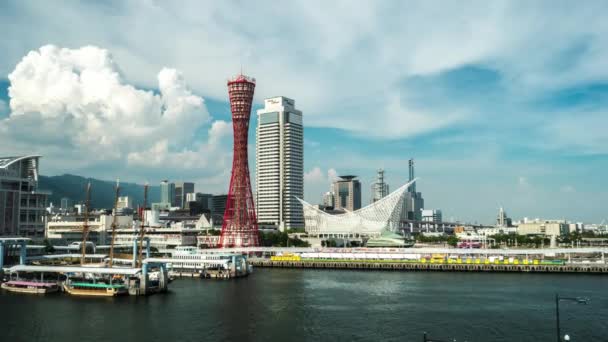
column 268, row 118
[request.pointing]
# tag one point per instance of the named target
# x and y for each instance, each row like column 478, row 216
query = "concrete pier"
column 396, row 266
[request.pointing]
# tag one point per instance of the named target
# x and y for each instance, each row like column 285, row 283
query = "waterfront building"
column 431, row 215
column 279, row 164
column 491, row 231
column 543, row 227
column 65, row 229
column 379, row 187
column 413, row 203
column 22, row 204
column 347, row 192
column 167, row 193
column 371, row 220
column 181, row 190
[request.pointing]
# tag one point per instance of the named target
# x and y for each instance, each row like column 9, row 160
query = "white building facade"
column 279, row 164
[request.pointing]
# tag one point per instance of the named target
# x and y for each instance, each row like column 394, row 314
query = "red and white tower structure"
column 240, row 226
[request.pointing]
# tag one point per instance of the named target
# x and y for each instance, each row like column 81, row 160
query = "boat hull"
column 94, row 292
column 29, row 289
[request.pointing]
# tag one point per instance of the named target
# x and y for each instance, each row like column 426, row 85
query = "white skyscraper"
column 279, row 164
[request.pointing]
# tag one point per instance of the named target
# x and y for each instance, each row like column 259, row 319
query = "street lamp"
column 578, row 300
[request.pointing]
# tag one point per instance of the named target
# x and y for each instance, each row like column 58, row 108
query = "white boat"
column 32, row 287
column 209, row 265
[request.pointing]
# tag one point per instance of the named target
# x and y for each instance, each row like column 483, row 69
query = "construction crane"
column 85, row 224
column 142, row 227
column 114, row 223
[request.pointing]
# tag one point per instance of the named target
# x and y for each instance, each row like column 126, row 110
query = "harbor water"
column 323, row 305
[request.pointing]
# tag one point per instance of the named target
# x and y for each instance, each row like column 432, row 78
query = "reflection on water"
column 310, row 305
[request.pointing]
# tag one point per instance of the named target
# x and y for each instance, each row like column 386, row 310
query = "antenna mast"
column 142, row 226
column 85, row 225
column 114, row 223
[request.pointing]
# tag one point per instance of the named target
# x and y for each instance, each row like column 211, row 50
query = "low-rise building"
column 432, row 215
column 543, row 227
column 65, row 229
column 491, row 231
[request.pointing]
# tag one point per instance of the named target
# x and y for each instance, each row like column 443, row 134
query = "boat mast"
column 114, row 223
column 141, row 227
column 85, row 225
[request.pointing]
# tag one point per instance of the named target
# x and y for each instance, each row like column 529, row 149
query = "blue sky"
column 500, row 103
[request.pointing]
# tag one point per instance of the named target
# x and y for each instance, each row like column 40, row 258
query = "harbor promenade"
column 438, row 267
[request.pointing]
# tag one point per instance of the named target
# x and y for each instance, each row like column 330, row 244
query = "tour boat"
column 32, row 287
column 94, row 289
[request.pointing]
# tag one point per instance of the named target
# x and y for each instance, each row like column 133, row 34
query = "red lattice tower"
column 240, row 226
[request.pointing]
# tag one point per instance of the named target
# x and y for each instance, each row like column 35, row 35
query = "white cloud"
column 315, row 175
column 330, row 71
column 317, row 182
column 73, row 105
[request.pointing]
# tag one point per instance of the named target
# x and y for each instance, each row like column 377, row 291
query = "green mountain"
column 102, row 192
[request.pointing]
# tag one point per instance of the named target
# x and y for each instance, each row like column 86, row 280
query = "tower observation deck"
column 240, row 227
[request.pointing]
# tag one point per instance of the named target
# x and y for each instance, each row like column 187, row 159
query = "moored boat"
column 31, row 287
column 94, row 289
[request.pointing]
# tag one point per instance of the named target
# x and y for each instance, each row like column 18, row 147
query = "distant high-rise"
column 329, row 199
column 347, row 192
column 379, row 187
column 218, row 208
column 413, row 202
column 66, row 204
column 167, row 193
column 124, row 202
column 503, row 220
column 279, row 164
column 181, row 190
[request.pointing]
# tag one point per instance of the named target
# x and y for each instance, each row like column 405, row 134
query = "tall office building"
column 181, row 190
column 280, row 164
column 167, row 193
column 379, row 187
column 347, row 192
column 413, row 202
column 503, row 220
column 22, row 205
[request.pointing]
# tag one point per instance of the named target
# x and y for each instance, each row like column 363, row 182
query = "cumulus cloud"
column 336, row 68
column 317, row 181
column 75, row 104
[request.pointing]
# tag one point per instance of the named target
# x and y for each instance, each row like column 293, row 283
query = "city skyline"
column 491, row 119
